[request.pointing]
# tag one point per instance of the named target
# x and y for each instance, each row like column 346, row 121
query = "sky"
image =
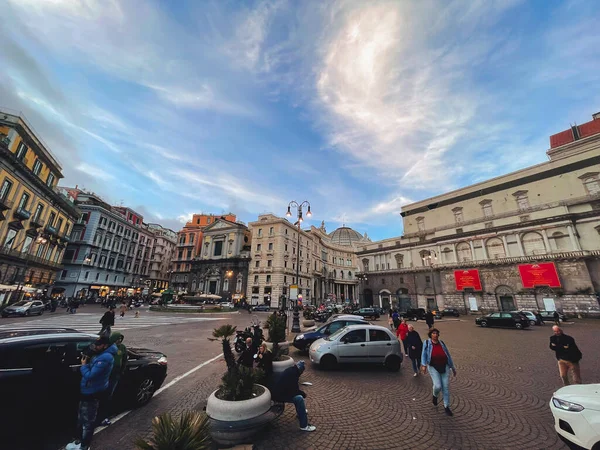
column 175, row 108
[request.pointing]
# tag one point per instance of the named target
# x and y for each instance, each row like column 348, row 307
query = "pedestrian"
column 123, row 309
column 247, row 356
column 264, row 360
column 436, row 358
column 415, row 347
column 429, row 318
column 401, row 333
column 286, row 390
column 53, row 304
column 119, row 366
column 567, row 354
column 107, row 321
column 556, row 318
column 95, row 374
column 69, row 305
column 396, row 319
column 539, row 318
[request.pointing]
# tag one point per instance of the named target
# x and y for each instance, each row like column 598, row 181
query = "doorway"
column 507, row 303
column 368, row 296
column 431, row 303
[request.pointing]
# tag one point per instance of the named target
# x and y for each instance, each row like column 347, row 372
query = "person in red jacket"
column 401, row 332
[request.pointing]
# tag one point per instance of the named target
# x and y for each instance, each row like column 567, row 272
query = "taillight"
column 162, row 360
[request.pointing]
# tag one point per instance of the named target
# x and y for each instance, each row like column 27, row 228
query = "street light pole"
column 296, row 322
column 361, row 279
column 39, row 240
column 86, row 260
column 430, row 259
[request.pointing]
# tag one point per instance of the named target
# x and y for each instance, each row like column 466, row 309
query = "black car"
column 303, row 341
column 414, row 314
column 449, row 312
column 548, row 316
column 39, row 375
column 371, row 313
column 261, row 308
column 504, row 319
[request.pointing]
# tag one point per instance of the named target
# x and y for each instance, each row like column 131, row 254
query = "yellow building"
column 35, row 219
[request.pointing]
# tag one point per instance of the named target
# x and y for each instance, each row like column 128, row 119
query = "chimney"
column 596, row 116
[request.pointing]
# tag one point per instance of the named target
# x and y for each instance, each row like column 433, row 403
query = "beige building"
column 526, row 240
column 327, row 262
column 165, row 241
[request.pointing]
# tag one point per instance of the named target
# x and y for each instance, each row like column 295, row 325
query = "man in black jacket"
column 429, row 318
column 247, row 356
column 567, row 354
column 286, row 390
column 107, row 321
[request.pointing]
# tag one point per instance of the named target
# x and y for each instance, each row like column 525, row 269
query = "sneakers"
column 75, row 445
column 435, row 400
column 415, row 374
column 308, row 428
column 448, row 412
column 106, row 423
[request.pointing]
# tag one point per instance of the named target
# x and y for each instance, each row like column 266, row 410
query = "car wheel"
column 41, row 312
column 328, row 362
column 28, row 313
column 393, row 363
column 483, row 324
column 144, row 390
column 532, row 323
column 519, row 326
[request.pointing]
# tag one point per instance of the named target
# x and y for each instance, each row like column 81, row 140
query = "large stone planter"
column 280, row 366
column 284, row 346
column 234, row 423
column 308, row 323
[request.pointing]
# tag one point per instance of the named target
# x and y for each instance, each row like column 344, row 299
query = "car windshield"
column 334, row 336
column 22, row 303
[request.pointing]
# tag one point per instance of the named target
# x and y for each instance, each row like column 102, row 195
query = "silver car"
column 24, row 308
column 358, row 344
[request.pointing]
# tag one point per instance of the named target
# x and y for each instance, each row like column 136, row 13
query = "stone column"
column 546, row 241
column 454, row 252
column 520, row 244
column 485, row 255
column 574, row 241
column 506, row 251
column 472, row 251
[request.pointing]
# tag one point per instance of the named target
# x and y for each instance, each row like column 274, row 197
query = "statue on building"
column 322, row 228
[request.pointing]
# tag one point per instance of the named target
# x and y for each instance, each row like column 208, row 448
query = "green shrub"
column 191, row 431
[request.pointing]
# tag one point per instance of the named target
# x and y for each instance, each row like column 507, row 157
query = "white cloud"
column 95, row 171
column 186, row 217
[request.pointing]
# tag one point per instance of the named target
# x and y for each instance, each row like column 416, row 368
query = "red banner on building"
column 542, row 274
column 467, row 279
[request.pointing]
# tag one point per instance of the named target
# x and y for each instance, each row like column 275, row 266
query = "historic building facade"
column 526, row 240
column 165, row 241
column 221, row 267
column 36, row 219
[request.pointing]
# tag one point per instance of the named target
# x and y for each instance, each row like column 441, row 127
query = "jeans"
column 405, row 345
column 440, row 383
column 298, row 401
column 564, row 367
column 86, row 420
column 416, row 363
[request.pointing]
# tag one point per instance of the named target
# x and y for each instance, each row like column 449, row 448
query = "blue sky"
column 176, row 108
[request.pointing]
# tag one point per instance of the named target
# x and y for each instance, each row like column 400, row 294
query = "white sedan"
column 576, row 411
column 358, row 344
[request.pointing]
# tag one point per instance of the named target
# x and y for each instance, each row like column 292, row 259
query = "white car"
column 358, row 344
column 227, row 305
column 576, row 411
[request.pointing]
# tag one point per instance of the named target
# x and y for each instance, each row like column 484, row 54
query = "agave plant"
column 191, row 431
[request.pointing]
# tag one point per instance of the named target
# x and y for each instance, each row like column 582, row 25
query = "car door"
column 333, row 327
column 38, row 306
column 495, row 320
column 352, row 347
column 507, row 320
column 379, row 344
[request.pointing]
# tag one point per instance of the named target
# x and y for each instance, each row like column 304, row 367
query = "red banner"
column 542, row 274
column 467, row 279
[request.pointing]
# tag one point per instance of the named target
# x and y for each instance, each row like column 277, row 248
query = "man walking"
column 119, row 366
column 95, row 374
column 567, row 354
column 556, row 318
column 286, row 390
column 107, row 321
column 429, row 318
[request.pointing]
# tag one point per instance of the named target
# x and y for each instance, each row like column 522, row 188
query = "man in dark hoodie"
column 107, row 321
column 95, row 376
column 286, row 390
column 120, row 363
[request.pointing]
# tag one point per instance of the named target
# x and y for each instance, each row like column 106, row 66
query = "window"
column 21, row 151
column 258, row 247
column 37, row 167
column 270, row 246
column 63, row 275
column 255, row 279
column 284, row 279
column 427, row 279
column 257, row 264
column 87, row 274
column 533, row 244
column 51, row 219
column 27, row 244
column 268, row 279
column 6, row 187
column 458, row 215
column 285, row 264
column 421, row 223
column 354, row 336
column 269, row 263
column 378, row 335
column 286, row 231
column 24, row 201
column 401, row 280
column 50, row 180
column 259, row 232
column 522, row 199
column 463, row 251
column 591, row 183
column 218, row 248
column 10, row 238
column 97, row 276
column 189, row 253
column 486, row 208
column 191, row 238
column 286, row 248
column 59, row 225
column 271, row 231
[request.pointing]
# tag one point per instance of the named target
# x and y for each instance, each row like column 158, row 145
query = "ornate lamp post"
column 296, row 322
column 39, row 239
column 362, row 277
column 430, row 258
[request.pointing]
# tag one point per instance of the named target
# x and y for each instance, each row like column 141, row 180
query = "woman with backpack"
column 436, row 358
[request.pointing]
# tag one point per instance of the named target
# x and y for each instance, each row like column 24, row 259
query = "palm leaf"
column 191, row 431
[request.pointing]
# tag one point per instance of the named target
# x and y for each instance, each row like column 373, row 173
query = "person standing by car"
column 429, row 318
column 401, row 333
column 286, row 390
column 119, row 365
column 539, row 318
column 567, row 354
column 436, row 358
column 95, row 375
column 415, row 347
column 107, row 321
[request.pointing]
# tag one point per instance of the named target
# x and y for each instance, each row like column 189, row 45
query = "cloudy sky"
column 359, row 107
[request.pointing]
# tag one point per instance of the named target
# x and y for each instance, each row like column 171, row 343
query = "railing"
column 22, row 213
column 36, row 222
column 32, row 259
column 52, row 230
column 6, row 204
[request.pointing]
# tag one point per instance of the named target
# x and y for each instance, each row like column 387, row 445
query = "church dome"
column 345, row 236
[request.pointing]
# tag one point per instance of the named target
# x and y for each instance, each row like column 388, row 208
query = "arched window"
column 533, row 244
column 561, row 241
column 463, row 251
column 447, row 255
column 193, row 285
column 495, row 248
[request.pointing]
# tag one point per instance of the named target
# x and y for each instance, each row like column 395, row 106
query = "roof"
column 19, row 335
column 345, row 236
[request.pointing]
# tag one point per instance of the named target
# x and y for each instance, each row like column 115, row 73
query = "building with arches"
column 526, row 240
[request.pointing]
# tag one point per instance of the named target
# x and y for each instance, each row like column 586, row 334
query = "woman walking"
column 401, row 332
column 436, row 358
column 415, row 347
column 123, row 309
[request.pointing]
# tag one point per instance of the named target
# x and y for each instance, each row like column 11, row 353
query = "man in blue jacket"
column 95, row 375
column 286, row 390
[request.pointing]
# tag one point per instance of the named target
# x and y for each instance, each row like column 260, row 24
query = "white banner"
column 473, row 304
column 549, row 304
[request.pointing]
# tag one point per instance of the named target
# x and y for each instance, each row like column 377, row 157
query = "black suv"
column 450, row 312
column 39, row 376
column 414, row 314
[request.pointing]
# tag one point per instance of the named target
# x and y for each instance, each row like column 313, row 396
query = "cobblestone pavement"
column 500, row 397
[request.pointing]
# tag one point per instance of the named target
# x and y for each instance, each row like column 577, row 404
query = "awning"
column 6, row 287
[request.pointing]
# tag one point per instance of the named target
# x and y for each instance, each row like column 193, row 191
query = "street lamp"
column 296, row 322
column 430, row 258
column 86, row 260
column 39, row 239
column 361, row 277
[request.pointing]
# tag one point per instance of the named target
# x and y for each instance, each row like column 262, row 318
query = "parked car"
column 346, row 317
column 548, row 316
column 371, row 313
column 24, row 308
column 414, row 314
column 533, row 320
column 227, row 305
column 261, row 308
column 379, row 310
column 576, row 411
column 39, row 374
column 449, row 312
column 358, row 344
column 503, row 319
column 303, row 341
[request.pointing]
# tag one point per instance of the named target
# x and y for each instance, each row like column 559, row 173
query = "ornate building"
column 165, row 241
column 526, row 240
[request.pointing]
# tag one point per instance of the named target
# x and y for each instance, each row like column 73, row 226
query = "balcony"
column 65, row 237
column 22, row 213
column 36, row 222
column 5, row 204
column 51, row 230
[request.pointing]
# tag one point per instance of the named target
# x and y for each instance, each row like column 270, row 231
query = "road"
column 500, row 397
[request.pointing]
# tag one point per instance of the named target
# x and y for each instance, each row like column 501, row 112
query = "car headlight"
column 566, row 406
column 299, row 337
column 162, row 360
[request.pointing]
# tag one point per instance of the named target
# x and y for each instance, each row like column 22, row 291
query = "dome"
column 345, row 236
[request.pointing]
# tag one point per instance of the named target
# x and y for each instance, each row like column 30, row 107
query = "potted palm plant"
column 191, row 431
column 279, row 345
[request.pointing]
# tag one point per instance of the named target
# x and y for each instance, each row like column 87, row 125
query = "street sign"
column 293, row 292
